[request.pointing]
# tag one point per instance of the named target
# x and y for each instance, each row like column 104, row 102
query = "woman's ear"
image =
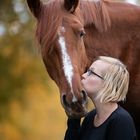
column 71, row 5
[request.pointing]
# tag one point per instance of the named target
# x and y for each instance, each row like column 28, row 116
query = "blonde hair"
column 116, row 81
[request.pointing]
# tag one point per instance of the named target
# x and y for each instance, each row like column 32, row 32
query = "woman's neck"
column 103, row 111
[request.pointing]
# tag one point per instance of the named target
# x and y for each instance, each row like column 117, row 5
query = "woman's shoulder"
column 121, row 125
column 121, row 116
column 121, row 112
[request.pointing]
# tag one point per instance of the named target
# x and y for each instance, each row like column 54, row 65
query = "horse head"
column 60, row 33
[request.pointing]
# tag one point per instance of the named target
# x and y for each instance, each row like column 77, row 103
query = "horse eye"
column 82, row 33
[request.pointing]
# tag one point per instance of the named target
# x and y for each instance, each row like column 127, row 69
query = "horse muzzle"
column 76, row 109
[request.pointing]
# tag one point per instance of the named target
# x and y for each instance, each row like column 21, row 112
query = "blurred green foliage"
column 29, row 99
column 15, row 43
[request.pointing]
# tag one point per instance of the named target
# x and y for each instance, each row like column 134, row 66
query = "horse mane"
column 95, row 12
column 48, row 24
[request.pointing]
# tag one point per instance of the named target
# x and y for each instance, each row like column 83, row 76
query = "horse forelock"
column 48, row 24
column 95, row 12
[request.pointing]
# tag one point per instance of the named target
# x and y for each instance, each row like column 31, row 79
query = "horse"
column 73, row 33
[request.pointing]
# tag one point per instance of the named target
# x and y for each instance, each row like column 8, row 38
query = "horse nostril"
column 84, row 95
column 65, row 101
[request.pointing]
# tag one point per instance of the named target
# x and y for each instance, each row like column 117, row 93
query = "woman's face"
column 93, row 79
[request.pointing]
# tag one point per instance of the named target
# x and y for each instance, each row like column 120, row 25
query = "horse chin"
column 71, row 113
column 75, row 109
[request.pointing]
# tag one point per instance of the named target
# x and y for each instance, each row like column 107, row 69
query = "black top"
column 119, row 126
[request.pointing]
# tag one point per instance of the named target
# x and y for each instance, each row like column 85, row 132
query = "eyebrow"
column 92, row 68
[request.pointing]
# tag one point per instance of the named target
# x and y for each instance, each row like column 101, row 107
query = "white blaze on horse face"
column 67, row 65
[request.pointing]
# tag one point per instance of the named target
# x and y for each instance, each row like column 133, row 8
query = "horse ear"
column 71, row 5
column 35, row 7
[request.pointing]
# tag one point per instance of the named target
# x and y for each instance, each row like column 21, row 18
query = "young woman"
column 106, row 83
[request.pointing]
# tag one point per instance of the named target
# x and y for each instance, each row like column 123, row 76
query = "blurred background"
column 30, row 107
